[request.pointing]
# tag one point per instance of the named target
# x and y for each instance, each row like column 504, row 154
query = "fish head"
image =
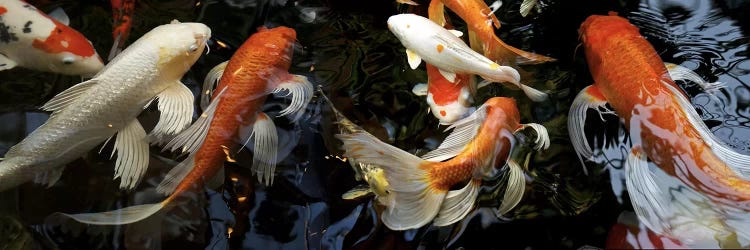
column 276, row 41
column 179, row 45
column 404, row 26
column 68, row 52
column 505, row 104
column 598, row 28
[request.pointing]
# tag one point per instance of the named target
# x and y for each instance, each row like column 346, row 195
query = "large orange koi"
column 663, row 125
column 259, row 67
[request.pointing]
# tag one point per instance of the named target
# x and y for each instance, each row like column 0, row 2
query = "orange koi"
column 482, row 23
column 421, row 187
column 122, row 17
column 259, row 67
column 663, row 125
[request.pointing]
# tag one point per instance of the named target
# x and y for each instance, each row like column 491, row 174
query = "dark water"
column 347, row 48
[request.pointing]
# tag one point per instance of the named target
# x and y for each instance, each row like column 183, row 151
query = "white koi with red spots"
column 34, row 40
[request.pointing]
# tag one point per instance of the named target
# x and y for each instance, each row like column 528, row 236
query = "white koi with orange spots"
column 424, row 39
column 34, row 40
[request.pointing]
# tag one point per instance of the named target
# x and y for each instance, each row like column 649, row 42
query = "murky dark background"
column 346, row 47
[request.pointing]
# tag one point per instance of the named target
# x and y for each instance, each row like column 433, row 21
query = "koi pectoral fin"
column 131, row 145
column 420, row 89
column 514, row 190
column 192, row 138
column 70, row 95
column 450, row 76
column 589, row 97
column 463, row 133
column 301, row 90
column 678, row 73
column 457, row 204
column 357, row 192
column 6, row 63
column 650, row 203
column 210, row 83
column 265, row 148
column 176, row 111
column 413, row 59
column 542, row 137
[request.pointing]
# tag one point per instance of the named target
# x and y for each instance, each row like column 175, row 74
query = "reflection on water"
column 346, row 48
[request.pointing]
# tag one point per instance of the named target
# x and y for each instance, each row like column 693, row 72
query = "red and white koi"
column 122, row 16
column 424, row 39
column 34, row 40
column 258, row 68
column 449, row 101
column 419, row 189
column 93, row 111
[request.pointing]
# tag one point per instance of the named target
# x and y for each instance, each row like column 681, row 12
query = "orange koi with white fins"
column 258, row 68
column 34, row 40
column 664, row 127
column 420, row 188
column 482, row 22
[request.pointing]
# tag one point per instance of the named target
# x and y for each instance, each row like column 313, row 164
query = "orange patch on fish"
column 440, row 48
column 442, row 112
column 3, row 10
column 64, row 39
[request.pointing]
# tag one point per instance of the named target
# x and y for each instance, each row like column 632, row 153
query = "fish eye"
column 68, row 60
column 193, row 48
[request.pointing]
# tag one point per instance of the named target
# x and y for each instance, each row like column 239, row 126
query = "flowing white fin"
column 265, row 148
column 457, row 204
column 740, row 163
column 415, row 201
column 175, row 175
column 532, row 93
column 450, row 76
column 464, row 131
column 649, row 202
column 68, row 96
column 60, row 15
column 176, row 111
column 301, row 90
column 514, row 188
column 413, row 59
column 526, row 7
column 542, row 137
column 121, row 216
column 209, row 84
column 420, row 89
column 192, row 138
column 677, row 73
column 589, row 97
column 131, row 146
column 49, row 177
column 115, row 48
column 6, row 63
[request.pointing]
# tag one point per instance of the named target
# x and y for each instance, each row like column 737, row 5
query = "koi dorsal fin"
column 70, row 95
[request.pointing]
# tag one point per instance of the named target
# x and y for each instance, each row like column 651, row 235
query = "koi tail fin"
column 121, row 216
column 415, row 201
column 499, row 51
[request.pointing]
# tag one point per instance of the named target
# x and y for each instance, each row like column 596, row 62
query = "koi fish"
column 93, row 111
column 449, row 101
column 34, row 40
column 258, row 68
column 122, row 14
column 420, row 188
column 482, row 22
column 663, row 125
column 424, row 39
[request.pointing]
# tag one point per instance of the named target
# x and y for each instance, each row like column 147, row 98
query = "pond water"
column 346, row 48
